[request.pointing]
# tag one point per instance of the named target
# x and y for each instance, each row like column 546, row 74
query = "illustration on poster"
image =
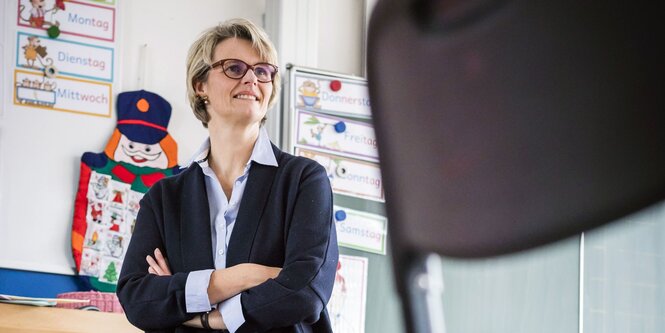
column 84, row 61
column 309, row 93
column 35, row 51
column 37, row 14
column 92, row 22
column 36, row 92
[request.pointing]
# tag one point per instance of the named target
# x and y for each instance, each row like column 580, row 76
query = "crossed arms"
column 224, row 283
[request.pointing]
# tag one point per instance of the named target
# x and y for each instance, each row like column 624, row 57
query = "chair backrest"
column 504, row 125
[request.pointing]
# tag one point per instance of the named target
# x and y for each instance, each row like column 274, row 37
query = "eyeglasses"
column 236, row 69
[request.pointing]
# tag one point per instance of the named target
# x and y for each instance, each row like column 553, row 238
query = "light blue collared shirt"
column 223, row 213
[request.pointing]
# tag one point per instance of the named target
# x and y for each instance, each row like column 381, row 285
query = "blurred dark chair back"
column 505, row 125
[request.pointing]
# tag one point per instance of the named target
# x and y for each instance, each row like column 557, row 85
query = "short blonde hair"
column 201, row 52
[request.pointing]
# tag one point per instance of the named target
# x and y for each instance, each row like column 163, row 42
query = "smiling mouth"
column 246, row 97
column 139, row 156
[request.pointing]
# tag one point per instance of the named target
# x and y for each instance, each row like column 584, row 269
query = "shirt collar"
column 262, row 152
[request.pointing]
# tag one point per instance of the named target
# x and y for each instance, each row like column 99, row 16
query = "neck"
column 230, row 149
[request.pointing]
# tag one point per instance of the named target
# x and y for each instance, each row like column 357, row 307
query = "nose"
column 250, row 77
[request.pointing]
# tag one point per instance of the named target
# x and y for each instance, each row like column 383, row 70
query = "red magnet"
column 335, row 85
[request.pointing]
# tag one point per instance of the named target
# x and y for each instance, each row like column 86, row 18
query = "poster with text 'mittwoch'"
column 64, row 58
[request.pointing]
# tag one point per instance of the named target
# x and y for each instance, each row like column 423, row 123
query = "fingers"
column 158, row 265
column 153, row 266
column 163, row 263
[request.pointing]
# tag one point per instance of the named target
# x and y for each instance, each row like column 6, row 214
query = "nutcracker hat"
column 143, row 116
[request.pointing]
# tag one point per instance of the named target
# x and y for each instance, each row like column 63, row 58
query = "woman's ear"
column 199, row 88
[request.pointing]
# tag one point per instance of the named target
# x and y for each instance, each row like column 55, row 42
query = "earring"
column 204, row 98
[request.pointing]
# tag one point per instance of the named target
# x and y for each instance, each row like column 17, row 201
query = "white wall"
column 340, row 36
column 324, row 34
column 40, row 149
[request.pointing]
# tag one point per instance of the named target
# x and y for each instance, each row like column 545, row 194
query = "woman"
column 247, row 229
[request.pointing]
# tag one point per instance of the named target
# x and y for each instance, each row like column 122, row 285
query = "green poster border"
column 101, row 2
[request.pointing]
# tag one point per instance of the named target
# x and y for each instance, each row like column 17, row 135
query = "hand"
column 160, row 266
column 216, row 321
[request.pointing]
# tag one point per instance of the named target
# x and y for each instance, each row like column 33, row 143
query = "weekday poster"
column 65, row 56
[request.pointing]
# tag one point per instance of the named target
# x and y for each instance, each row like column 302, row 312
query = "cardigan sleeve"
column 302, row 289
column 150, row 302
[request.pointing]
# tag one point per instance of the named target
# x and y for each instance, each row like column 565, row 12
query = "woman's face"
column 241, row 101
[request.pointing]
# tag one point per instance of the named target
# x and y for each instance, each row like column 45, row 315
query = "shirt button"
column 221, row 252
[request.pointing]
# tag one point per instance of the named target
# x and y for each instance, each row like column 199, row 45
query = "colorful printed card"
column 349, row 177
column 321, row 93
column 361, row 231
column 336, row 135
column 77, row 18
column 62, row 94
column 74, row 59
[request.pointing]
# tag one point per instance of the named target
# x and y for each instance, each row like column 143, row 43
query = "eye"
column 262, row 71
column 235, row 68
column 131, row 145
column 148, row 149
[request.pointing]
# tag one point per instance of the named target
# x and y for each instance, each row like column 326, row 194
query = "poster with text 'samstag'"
column 65, row 56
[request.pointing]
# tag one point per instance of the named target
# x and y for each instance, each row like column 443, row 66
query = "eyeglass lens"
column 236, row 69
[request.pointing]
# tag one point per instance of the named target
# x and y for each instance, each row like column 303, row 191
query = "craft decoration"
column 111, row 184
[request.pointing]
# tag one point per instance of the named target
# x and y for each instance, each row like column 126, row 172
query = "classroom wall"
column 152, row 41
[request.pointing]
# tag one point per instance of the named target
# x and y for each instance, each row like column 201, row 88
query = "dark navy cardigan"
column 285, row 220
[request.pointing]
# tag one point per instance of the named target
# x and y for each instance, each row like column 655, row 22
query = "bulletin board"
column 59, row 79
column 328, row 118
